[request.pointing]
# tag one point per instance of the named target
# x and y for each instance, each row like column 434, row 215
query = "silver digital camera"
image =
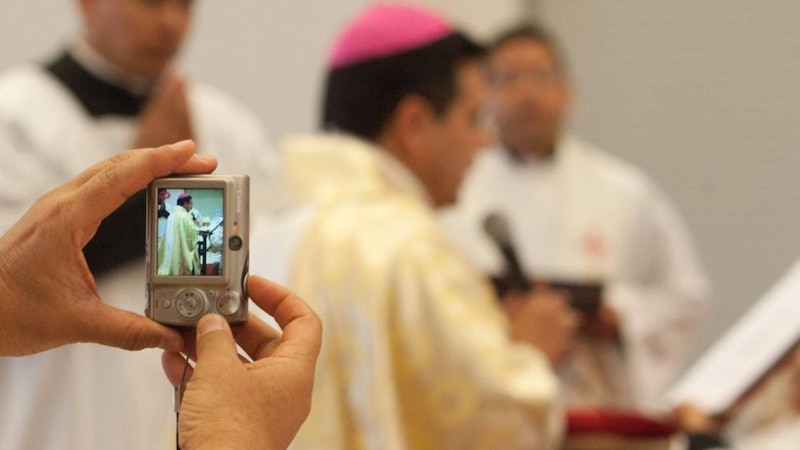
column 197, row 248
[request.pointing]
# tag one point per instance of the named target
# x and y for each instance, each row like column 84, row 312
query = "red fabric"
column 620, row 423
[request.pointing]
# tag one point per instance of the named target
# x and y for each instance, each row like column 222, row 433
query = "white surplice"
column 415, row 353
column 586, row 216
column 86, row 397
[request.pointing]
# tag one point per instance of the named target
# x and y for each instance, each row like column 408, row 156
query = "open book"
column 747, row 351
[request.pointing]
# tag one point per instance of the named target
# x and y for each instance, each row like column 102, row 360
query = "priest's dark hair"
column 534, row 31
column 184, row 200
column 361, row 98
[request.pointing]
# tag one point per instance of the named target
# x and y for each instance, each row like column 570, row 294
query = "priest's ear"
column 409, row 130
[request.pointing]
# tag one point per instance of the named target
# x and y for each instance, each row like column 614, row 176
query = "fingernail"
column 207, row 158
column 182, row 145
column 210, row 323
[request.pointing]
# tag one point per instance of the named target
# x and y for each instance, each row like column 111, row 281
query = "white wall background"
column 268, row 53
column 704, row 95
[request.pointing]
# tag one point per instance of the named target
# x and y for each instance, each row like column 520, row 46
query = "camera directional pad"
column 190, row 303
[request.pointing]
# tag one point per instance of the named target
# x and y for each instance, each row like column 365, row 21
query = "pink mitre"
column 385, row 30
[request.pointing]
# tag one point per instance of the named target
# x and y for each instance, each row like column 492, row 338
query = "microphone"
column 585, row 297
column 496, row 227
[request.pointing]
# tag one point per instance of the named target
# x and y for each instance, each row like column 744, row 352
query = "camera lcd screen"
column 190, row 232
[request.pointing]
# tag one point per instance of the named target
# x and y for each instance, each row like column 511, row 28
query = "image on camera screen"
column 190, row 232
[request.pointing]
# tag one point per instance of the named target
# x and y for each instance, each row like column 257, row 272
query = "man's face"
column 141, row 36
column 457, row 136
column 528, row 94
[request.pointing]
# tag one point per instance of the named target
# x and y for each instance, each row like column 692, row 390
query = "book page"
column 750, row 348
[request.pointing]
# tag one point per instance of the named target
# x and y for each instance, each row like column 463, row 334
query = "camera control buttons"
column 211, row 293
column 228, row 303
column 235, row 243
column 190, row 303
column 166, row 303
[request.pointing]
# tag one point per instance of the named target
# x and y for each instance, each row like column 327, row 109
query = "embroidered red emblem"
column 594, row 245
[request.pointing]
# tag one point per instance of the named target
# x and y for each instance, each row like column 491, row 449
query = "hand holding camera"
column 61, row 305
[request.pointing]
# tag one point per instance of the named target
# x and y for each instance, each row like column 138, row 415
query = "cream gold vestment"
column 177, row 249
column 415, row 353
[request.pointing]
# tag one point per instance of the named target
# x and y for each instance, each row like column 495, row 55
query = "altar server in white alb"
column 115, row 87
column 578, row 214
column 417, row 353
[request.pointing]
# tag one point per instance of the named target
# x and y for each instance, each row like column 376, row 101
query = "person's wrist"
column 8, row 293
column 231, row 429
column 235, row 440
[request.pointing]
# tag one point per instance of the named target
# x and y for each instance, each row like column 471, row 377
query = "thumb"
column 215, row 341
